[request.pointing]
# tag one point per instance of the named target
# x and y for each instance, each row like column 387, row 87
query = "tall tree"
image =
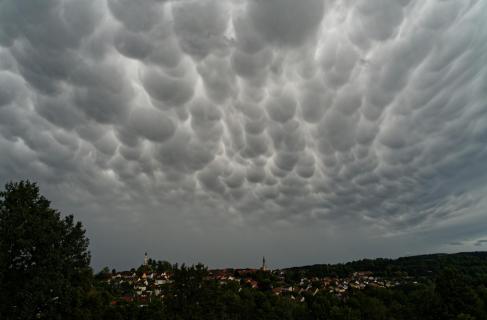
column 44, row 258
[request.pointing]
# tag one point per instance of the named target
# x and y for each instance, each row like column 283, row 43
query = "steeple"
column 263, row 268
column 146, row 259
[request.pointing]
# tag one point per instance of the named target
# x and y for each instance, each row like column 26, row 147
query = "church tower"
column 146, row 259
column 263, row 268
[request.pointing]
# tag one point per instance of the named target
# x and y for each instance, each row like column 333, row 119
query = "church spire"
column 263, row 268
column 146, row 259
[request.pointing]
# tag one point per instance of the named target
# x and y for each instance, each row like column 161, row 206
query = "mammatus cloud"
column 353, row 118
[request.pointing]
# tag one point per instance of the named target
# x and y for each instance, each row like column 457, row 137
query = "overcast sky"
column 220, row 131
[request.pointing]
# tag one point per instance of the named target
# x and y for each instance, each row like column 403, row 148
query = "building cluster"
column 297, row 289
column 142, row 288
column 145, row 286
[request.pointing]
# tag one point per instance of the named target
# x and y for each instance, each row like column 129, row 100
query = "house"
column 252, row 283
column 277, row 291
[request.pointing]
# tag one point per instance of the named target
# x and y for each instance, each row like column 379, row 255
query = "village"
column 143, row 285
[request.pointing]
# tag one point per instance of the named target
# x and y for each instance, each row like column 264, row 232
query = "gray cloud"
column 456, row 243
column 479, row 243
column 285, row 22
column 239, row 124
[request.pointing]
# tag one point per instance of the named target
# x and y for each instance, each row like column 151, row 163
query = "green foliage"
column 44, row 262
column 457, row 298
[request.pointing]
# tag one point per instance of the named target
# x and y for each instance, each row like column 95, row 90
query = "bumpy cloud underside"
column 370, row 112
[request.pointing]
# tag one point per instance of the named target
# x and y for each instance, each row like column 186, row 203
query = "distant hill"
column 471, row 264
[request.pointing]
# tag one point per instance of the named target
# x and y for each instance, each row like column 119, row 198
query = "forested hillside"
column 471, row 264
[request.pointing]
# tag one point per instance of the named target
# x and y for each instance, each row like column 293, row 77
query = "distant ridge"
column 418, row 265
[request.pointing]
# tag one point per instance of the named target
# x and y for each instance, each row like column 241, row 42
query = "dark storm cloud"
column 322, row 121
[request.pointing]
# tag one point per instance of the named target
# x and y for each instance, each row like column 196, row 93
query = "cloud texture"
column 275, row 124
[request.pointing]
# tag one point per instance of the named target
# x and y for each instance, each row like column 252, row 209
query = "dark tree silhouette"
column 44, row 258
